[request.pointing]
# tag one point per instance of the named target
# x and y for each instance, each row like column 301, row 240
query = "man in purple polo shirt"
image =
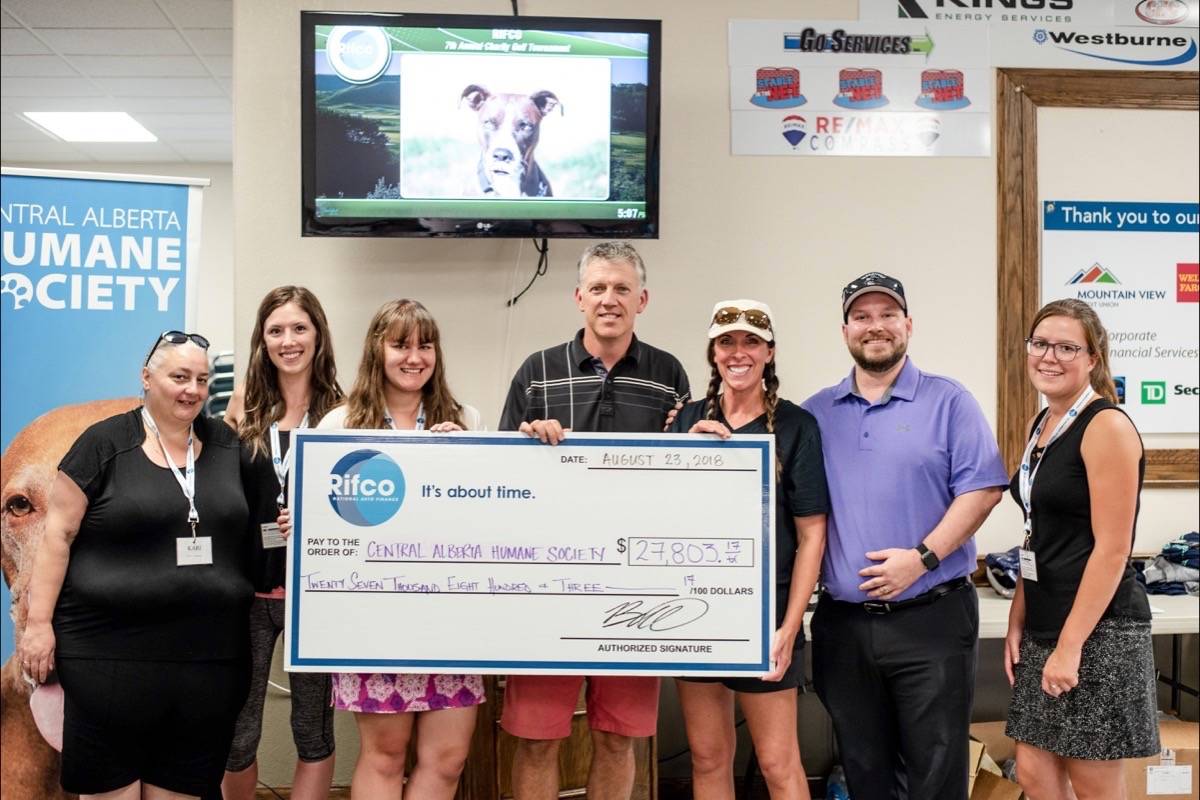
column 913, row 471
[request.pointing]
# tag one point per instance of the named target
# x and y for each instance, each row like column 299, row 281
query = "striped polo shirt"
column 564, row 383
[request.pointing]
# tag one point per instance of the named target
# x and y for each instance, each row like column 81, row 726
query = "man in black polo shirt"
column 603, row 380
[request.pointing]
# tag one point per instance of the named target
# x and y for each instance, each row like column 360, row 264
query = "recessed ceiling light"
column 91, row 126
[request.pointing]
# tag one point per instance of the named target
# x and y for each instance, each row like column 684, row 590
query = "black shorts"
column 792, row 679
column 168, row 724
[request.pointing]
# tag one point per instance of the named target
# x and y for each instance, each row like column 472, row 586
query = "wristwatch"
column 928, row 557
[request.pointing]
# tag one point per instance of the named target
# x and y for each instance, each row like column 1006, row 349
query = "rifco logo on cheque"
column 366, row 487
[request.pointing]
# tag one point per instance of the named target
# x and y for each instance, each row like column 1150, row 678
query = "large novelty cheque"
column 634, row 554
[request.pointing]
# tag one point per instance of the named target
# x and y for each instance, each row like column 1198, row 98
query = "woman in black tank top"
column 1078, row 650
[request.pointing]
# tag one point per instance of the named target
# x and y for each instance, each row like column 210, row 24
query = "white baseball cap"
column 742, row 315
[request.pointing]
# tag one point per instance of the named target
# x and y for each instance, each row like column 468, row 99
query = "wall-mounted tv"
column 456, row 125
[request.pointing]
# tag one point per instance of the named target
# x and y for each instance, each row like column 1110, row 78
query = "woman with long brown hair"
column 291, row 380
column 743, row 397
column 1078, row 650
column 401, row 384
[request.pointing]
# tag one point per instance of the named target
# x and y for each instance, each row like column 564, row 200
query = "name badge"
column 271, row 537
column 192, row 552
column 1028, row 565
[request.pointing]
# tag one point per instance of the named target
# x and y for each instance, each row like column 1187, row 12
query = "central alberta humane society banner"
column 95, row 266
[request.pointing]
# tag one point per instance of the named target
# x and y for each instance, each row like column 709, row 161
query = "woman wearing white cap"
column 743, row 398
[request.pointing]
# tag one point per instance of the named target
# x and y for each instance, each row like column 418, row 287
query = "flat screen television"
column 457, row 125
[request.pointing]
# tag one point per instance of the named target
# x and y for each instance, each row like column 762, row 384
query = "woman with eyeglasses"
column 140, row 592
column 1078, row 651
column 291, row 380
column 401, row 384
column 742, row 399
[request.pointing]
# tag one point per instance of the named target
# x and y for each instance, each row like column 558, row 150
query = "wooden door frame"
column 1019, row 94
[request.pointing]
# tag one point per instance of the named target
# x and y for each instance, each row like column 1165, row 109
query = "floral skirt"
column 396, row 694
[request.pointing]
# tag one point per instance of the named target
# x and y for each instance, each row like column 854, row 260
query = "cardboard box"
column 1174, row 772
column 994, row 748
column 974, row 757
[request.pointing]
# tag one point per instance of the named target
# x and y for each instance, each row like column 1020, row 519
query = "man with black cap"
column 913, row 471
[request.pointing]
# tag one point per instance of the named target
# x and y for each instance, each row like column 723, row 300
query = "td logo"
column 1154, row 393
column 366, row 487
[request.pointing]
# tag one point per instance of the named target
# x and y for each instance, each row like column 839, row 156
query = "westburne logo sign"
column 1095, row 44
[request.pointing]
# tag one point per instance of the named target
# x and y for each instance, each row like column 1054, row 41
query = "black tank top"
column 1062, row 534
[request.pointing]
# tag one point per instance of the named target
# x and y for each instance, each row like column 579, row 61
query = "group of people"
column 157, row 593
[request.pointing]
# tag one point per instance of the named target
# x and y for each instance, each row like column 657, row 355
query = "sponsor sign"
column 1160, row 13
column 1135, row 264
column 830, row 88
column 994, row 12
column 1110, row 48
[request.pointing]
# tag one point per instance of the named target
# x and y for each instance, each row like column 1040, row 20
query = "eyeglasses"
column 730, row 315
column 175, row 337
column 1063, row 351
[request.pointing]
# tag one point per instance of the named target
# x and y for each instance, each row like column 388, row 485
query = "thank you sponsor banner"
column 833, row 88
column 493, row 553
column 94, row 267
column 1138, row 265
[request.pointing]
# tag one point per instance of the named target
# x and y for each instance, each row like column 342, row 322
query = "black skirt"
column 1111, row 714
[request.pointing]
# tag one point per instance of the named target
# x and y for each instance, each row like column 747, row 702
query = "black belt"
column 923, row 599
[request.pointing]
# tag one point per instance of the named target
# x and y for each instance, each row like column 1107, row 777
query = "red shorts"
column 541, row 706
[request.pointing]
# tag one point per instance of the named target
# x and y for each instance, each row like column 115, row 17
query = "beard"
column 883, row 363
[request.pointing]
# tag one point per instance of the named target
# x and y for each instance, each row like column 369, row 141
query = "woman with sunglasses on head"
column 401, row 384
column 140, row 590
column 743, row 398
column 1078, row 650
column 291, row 380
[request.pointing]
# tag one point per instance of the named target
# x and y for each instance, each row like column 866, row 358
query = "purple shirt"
column 893, row 469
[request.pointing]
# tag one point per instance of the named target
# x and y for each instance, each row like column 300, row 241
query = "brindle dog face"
column 508, row 133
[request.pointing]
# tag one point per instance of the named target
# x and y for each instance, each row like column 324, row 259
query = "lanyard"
column 282, row 463
column 420, row 426
column 1026, row 475
column 187, row 479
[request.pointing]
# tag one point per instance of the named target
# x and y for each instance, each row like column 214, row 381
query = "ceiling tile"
column 160, row 87
column 34, row 67
column 186, row 122
column 47, row 150
column 114, row 42
column 216, row 105
column 14, row 128
column 19, row 42
column 90, row 14
column 192, row 134
column 46, row 87
column 97, row 103
column 211, row 41
column 200, row 13
column 140, row 66
column 204, row 151
column 124, row 151
column 222, row 66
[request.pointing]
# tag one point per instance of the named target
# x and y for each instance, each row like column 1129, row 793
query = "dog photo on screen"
column 504, row 127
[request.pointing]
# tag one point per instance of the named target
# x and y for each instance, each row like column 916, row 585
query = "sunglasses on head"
column 754, row 317
column 175, row 337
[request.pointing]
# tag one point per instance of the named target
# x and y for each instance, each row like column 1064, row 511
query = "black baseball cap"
column 872, row 282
